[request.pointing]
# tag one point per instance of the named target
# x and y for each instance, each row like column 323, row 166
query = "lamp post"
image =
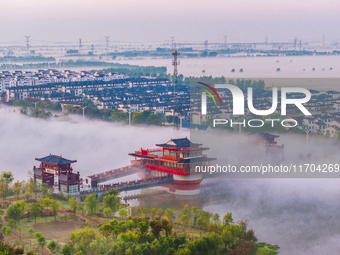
column 181, row 121
column 83, row 112
column 130, row 111
column 307, row 131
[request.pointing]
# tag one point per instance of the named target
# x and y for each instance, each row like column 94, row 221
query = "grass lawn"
column 58, row 230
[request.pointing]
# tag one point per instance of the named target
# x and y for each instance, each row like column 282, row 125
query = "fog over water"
column 253, row 67
column 97, row 145
column 299, row 215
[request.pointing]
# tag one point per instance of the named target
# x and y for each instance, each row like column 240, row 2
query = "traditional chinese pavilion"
column 268, row 140
column 177, row 157
column 57, row 173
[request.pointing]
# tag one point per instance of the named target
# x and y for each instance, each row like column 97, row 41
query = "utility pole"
column 300, row 44
column 27, row 44
column 266, row 40
column 80, row 47
column 175, row 63
column 83, row 107
column 295, row 42
column 225, row 42
column 172, row 41
column 107, row 44
column 206, row 45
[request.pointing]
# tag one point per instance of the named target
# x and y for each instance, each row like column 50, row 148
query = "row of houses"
column 10, row 79
column 128, row 94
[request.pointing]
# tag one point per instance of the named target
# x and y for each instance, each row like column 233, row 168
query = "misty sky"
column 151, row 20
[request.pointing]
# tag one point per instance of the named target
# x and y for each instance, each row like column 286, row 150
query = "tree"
column 41, row 241
column 14, row 212
column 122, row 213
column 160, row 212
column 216, row 219
column 66, row 250
column 6, row 178
column 228, row 219
column 185, row 219
column 44, row 189
column 107, row 212
column 55, row 206
column 186, row 210
column 169, row 213
column 153, row 212
column 19, row 229
column 17, row 188
column 8, row 231
column 143, row 227
column 145, row 211
column 31, row 231
column 111, row 201
column 35, row 210
column 74, row 205
column 138, row 211
column 52, row 246
column 91, row 203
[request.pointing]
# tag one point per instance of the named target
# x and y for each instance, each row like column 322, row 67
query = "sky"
column 156, row 20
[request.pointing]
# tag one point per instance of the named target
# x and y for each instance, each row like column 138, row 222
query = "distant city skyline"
column 155, row 21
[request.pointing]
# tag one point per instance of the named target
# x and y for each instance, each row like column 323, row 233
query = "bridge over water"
column 116, row 173
column 130, row 185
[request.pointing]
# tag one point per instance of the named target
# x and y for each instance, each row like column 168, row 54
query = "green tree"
column 138, row 211
column 74, row 205
column 8, row 231
column 228, row 219
column 143, row 227
column 107, row 212
column 6, row 178
column 35, row 210
column 42, row 242
column 91, row 203
column 111, row 201
column 17, row 188
column 44, row 190
column 160, row 212
column 55, row 207
column 153, row 212
column 185, row 219
column 66, row 250
column 52, row 246
column 31, row 231
column 14, row 212
column 122, row 213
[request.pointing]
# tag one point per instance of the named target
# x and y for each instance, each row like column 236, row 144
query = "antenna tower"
column 28, row 44
column 80, row 47
column 175, row 63
column 107, row 44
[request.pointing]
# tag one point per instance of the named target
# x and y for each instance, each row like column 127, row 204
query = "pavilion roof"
column 263, row 135
column 179, row 143
column 54, row 159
